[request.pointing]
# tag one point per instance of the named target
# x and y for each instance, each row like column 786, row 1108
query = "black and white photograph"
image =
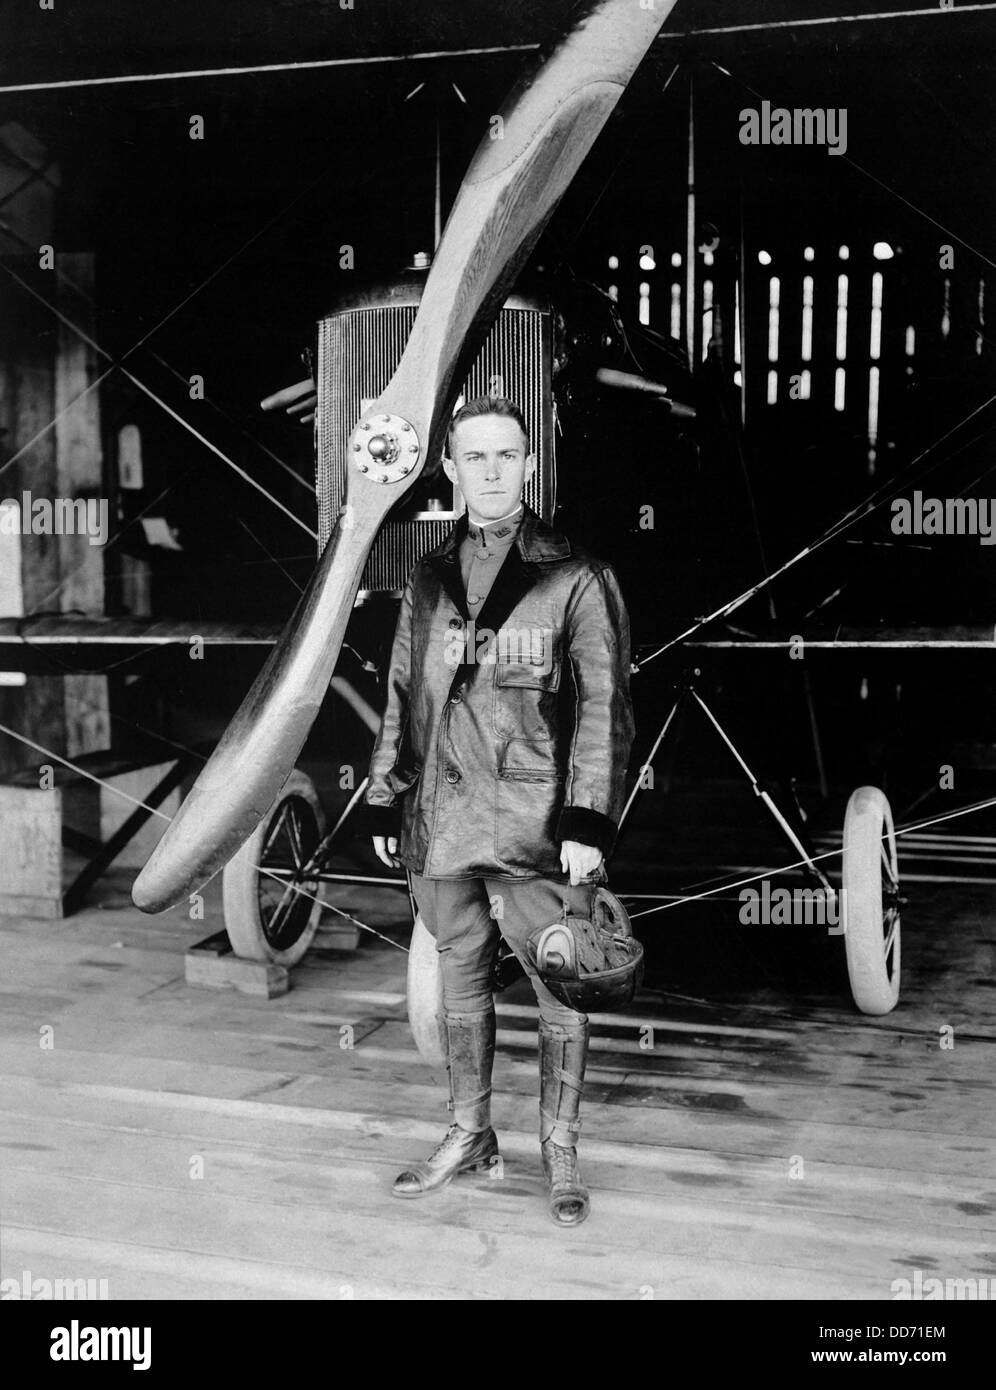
column 498, row 665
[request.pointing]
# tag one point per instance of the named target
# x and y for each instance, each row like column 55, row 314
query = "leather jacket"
column 504, row 737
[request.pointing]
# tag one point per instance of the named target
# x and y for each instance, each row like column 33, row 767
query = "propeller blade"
column 522, row 167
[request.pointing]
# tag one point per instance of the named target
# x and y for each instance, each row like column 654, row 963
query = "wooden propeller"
column 518, row 174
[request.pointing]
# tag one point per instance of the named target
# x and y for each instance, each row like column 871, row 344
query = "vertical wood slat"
column 79, row 474
column 43, row 366
column 26, row 363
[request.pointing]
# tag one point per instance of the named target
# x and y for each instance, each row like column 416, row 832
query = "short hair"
column 486, row 405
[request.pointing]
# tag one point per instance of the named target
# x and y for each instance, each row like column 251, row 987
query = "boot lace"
column 448, row 1141
column 563, row 1165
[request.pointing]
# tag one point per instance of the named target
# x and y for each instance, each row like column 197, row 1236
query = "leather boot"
column 469, row 1144
column 563, row 1052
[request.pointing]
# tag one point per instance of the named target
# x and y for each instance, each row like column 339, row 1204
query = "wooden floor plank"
column 689, row 1145
column 932, row 1100
column 154, row 1081
column 476, row 1226
column 690, row 1181
column 681, row 1179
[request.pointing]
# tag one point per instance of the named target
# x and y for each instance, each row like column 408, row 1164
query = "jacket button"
column 451, row 775
column 456, row 622
column 456, row 699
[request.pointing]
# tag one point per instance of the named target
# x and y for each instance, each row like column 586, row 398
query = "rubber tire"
column 867, row 820
column 425, row 997
column 240, row 880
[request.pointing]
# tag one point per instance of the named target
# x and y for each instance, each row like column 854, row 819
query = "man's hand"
column 385, row 849
column 578, row 860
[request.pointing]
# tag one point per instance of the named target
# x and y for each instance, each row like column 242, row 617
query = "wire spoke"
column 294, row 834
column 275, row 827
column 296, row 888
column 273, row 927
column 890, row 939
column 887, row 864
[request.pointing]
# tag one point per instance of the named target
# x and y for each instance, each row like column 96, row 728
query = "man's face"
column 489, row 465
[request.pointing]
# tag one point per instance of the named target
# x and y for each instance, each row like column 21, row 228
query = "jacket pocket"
column 526, row 701
column 527, row 659
column 526, row 817
column 521, row 761
column 525, row 712
column 528, row 774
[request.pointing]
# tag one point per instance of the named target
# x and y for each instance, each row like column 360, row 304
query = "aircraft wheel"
column 425, row 996
column 870, row 909
column 271, row 905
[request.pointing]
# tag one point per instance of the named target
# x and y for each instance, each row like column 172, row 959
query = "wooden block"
column 217, row 945
column 25, row 905
column 337, row 934
column 31, row 850
column 33, row 871
column 214, row 966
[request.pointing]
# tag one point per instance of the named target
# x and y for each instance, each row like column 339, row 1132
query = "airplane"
column 247, row 792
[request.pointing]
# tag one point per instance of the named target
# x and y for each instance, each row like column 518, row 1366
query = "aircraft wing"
column 91, row 644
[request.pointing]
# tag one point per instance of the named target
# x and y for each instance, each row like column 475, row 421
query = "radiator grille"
column 358, row 351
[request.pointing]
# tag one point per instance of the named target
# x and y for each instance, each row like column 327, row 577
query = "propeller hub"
column 385, row 448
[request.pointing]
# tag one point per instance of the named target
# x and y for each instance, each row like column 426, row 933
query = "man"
column 497, row 776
